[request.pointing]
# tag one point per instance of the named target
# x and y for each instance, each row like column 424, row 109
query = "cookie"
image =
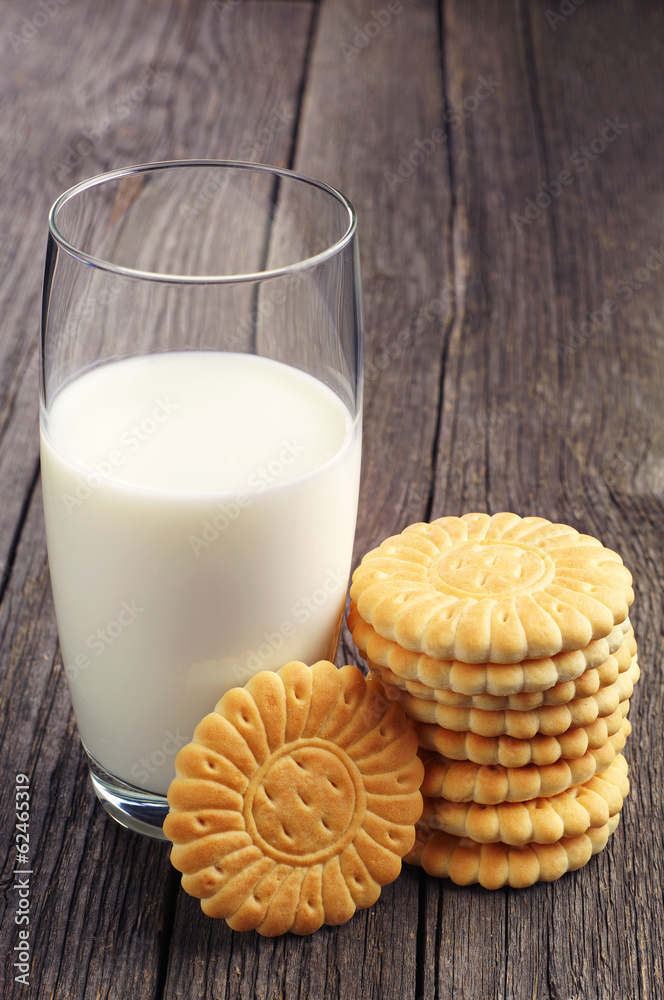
column 500, row 679
column 489, row 784
column 296, row 800
column 495, row 865
column 541, row 820
column 588, row 683
column 497, row 589
column 509, row 752
column 550, row 720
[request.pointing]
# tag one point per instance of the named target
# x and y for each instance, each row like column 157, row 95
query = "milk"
column 200, row 511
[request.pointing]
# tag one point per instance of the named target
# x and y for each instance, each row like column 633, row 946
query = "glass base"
column 131, row 807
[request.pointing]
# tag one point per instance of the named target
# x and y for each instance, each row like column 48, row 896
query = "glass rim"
column 200, row 279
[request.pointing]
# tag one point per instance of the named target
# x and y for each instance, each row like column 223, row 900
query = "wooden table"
column 505, row 160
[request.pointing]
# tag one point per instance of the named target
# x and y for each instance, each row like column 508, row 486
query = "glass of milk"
column 201, row 400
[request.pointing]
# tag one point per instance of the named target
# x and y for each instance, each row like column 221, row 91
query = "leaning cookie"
column 296, row 800
column 495, row 865
column 465, row 781
column 586, row 684
column 497, row 589
column 500, row 679
column 541, row 820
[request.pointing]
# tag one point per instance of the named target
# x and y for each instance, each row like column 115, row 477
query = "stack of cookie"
column 507, row 641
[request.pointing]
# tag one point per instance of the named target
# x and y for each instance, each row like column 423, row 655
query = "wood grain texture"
column 389, row 94
column 95, row 936
column 543, row 414
column 514, row 361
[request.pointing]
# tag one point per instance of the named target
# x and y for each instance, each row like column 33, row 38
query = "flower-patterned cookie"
column 550, row 720
column 489, row 784
column 498, row 589
column 296, row 800
column 540, row 821
column 498, row 679
column 560, row 693
column 510, row 752
column 495, row 865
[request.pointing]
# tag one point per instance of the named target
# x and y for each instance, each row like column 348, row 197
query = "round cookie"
column 497, row 589
column 510, row 752
column 498, row 679
column 588, row 683
column 296, row 800
column 541, row 820
column 489, row 784
column 495, row 865
column 550, row 720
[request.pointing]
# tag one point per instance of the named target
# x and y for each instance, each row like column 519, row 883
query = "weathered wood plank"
column 381, row 100
column 615, row 449
column 544, row 415
column 103, row 899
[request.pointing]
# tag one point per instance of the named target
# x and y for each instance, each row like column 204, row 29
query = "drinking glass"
column 201, row 399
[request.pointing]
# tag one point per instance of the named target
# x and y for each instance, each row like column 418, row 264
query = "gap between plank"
column 421, row 937
column 289, row 165
column 163, row 955
column 5, row 574
column 313, row 27
column 452, row 315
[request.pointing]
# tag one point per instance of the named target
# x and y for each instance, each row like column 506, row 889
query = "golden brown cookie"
column 496, row 865
column 500, row 679
column 510, row 752
column 494, row 589
column 296, row 800
column 542, row 820
column 489, row 784
column 550, row 720
column 588, row 683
